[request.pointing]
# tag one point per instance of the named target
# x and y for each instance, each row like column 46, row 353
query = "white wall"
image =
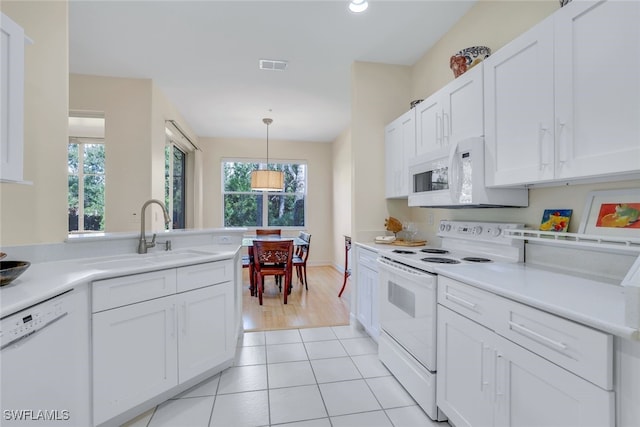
column 342, row 182
column 379, row 94
column 135, row 111
column 319, row 201
column 38, row 213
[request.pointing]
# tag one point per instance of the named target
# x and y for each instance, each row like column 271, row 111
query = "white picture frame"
column 600, row 218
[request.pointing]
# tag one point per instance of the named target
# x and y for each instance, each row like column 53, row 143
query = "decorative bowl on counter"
column 467, row 58
column 10, row 270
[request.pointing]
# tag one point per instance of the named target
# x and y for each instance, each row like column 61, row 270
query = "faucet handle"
column 153, row 240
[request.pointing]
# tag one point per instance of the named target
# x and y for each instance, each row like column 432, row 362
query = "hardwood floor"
column 319, row 306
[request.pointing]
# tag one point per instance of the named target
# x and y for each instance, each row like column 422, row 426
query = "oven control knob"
column 495, row 232
column 448, row 227
column 477, row 230
column 442, row 227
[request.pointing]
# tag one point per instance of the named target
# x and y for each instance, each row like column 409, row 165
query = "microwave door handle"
column 452, row 173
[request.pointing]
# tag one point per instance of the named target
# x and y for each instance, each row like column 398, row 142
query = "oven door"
column 408, row 309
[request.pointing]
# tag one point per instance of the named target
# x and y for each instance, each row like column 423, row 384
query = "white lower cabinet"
column 205, row 329
column 146, row 347
column 134, row 356
column 485, row 379
column 367, row 299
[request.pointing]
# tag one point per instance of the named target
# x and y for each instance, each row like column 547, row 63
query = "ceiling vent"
column 273, row 65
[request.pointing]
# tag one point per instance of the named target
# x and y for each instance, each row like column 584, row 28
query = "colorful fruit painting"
column 555, row 219
column 619, row 215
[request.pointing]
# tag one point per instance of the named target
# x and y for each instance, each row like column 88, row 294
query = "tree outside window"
column 86, row 177
column 246, row 208
column 175, row 184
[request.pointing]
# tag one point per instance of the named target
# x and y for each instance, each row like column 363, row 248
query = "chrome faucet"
column 143, row 245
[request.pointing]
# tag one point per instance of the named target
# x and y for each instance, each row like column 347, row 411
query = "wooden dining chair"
column 272, row 259
column 300, row 258
column 268, row 232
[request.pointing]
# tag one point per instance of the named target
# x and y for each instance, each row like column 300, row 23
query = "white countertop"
column 590, row 302
column 44, row 280
column 596, row 304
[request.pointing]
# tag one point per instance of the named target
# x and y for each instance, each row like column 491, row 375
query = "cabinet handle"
column 500, row 376
column 536, row 336
column 185, row 318
column 461, row 301
column 173, row 319
column 446, row 127
column 483, row 371
column 541, row 131
column 438, row 138
column 563, row 153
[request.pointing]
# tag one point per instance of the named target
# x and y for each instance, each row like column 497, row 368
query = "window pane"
column 73, row 202
column 294, row 177
column 178, row 202
column 237, row 176
column 286, row 210
column 72, row 161
column 243, row 210
column 94, row 158
column 94, row 202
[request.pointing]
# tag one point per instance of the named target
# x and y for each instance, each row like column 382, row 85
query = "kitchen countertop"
column 44, row 280
column 592, row 303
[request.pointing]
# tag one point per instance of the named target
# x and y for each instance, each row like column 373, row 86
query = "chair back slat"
column 268, row 232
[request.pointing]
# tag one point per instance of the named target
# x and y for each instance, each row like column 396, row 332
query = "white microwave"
column 454, row 178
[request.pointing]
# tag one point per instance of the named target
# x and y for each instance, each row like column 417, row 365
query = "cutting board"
column 409, row 243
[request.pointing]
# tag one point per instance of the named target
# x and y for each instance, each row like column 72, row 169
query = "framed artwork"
column 612, row 213
column 555, row 219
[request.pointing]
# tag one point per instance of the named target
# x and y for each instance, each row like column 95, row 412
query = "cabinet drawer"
column 125, row 290
column 474, row 303
column 201, row 275
column 367, row 258
column 577, row 348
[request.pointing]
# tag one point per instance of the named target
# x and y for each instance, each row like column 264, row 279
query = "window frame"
column 265, row 194
column 174, row 137
column 81, row 142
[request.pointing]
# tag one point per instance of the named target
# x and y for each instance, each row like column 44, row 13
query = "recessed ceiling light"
column 357, row 6
column 273, row 64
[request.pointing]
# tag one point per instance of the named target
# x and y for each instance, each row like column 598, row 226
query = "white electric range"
column 408, row 298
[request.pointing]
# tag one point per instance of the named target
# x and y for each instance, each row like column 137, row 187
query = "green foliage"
column 93, row 161
column 244, row 207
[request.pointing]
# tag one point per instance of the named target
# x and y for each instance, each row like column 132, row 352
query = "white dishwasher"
column 44, row 363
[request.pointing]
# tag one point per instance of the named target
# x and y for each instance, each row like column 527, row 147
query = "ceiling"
column 204, row 56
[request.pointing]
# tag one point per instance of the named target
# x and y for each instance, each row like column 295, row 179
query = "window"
column 86, row 175
column 175, row 184
column 246, row 208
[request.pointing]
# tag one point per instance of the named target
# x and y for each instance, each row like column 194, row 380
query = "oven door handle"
column 406, row 272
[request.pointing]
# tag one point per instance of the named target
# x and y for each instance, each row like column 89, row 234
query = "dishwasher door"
column 44, row 363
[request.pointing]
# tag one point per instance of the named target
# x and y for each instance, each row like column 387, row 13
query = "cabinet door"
column 205, row 324
column 392, row 140
column 597, row 88
column 429, row 124
column 134, row 355
column 531, row 391
column 465, row 379
column 464, row 106
column 366, row 277
column 519, row 118
column 407, row 149
column 12, row 96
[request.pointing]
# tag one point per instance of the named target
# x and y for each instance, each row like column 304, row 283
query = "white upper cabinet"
column 453, row 113
column 400, row 146
column 597, row 83
column 557, row 104
column 12, row 99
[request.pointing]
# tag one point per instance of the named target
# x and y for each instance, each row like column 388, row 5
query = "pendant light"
column 264, row 179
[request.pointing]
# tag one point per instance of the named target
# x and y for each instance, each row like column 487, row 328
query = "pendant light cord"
column 267, row 122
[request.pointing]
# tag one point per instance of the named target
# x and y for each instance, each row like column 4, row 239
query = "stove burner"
column 476, row 259
column 439, row 260
column 402, row 251
column 434, row 251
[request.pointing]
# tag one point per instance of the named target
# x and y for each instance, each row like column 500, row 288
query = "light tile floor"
column 318, row 377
